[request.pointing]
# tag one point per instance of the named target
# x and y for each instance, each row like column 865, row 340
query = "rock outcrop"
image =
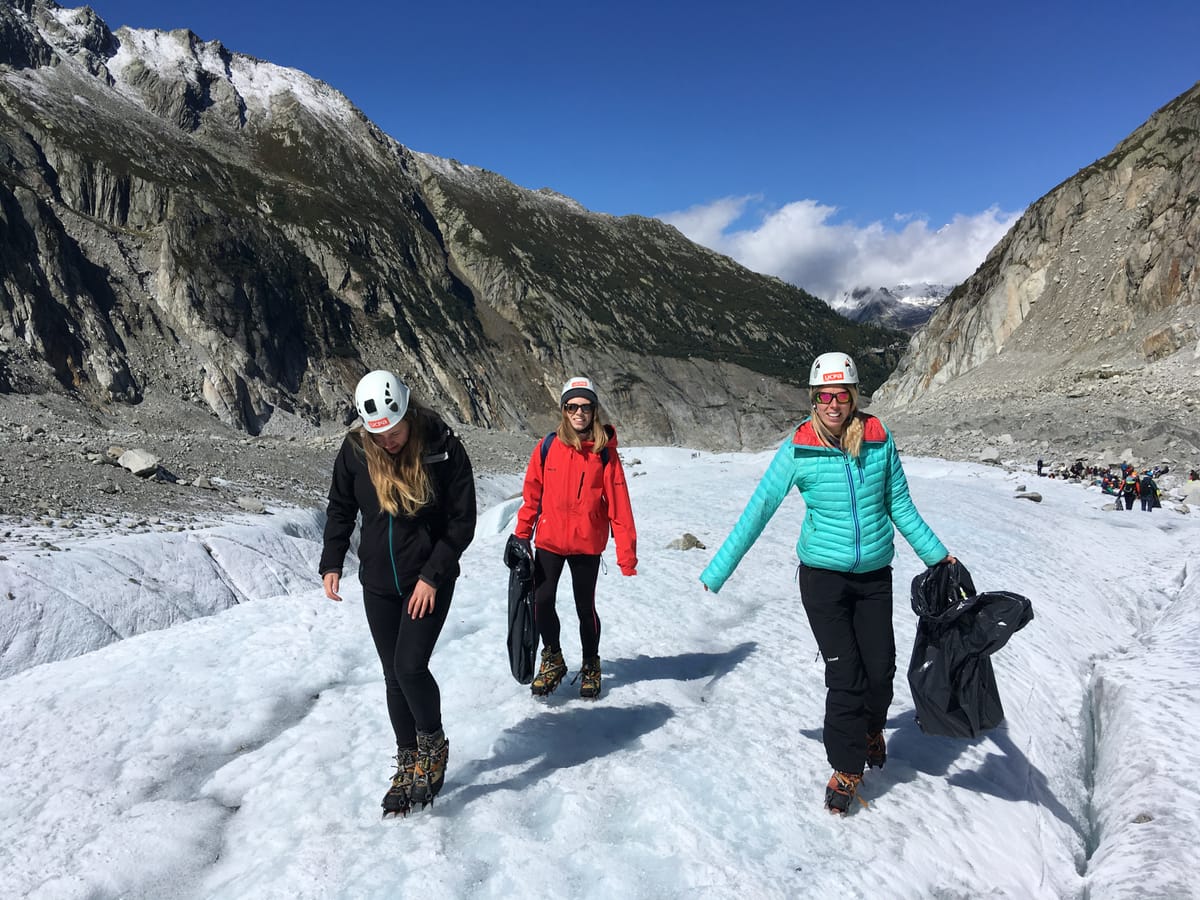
column 1081, row 329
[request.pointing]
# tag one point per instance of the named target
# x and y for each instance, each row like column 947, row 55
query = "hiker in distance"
column 409, row 477
column 847, row 469
column 574, row 495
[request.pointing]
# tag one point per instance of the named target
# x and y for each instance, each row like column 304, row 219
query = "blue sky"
column 805, row 140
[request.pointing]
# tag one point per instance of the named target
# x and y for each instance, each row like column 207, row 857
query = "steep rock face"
column 1081, row 329
column 1100, row 270
column 180, row 220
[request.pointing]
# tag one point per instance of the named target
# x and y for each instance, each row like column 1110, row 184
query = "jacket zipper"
column 392, row 554
column 853, row 513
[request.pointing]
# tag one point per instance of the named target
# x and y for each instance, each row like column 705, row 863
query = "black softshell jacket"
column 951, row 676
column 394, row 551
column 522, row 626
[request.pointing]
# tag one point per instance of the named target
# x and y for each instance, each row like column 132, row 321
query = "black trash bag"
column 950, row 673
column 939, row 587
column 522, row 630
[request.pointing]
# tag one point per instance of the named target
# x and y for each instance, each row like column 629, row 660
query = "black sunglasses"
column 573, row 408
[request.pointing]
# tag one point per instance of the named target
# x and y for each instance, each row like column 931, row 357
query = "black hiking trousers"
column 851, row 617
column 585, row 570
column 405, row 645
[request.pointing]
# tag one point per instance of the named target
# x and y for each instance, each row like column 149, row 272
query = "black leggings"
column 851, row 618
column 547, row 568
column 405, row 645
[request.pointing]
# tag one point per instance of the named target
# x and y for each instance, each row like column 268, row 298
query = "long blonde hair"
column 852, row 432
column 599, row 436
column 402, row 483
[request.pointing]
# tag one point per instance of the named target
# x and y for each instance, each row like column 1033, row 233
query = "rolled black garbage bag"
column 939, row 588
column 522, row 630
column 951, row 676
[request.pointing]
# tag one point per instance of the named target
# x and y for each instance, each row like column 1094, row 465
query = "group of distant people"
column 1124, row 482
column 1141, row 487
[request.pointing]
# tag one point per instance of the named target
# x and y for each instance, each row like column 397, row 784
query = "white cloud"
column 799, row 243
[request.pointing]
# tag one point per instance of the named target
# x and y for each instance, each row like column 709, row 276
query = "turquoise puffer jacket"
column 854, row 507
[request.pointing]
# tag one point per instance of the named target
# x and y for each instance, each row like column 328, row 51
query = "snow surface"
column 244, row 753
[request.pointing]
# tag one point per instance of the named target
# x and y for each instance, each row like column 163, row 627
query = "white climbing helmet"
column 833, row 368
column 578, row 387
column 381, row 399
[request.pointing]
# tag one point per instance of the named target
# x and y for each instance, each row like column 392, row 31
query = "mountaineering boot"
column 550, row 675
column 398, row 800
column 842, row 788
column 429, row 773
column 876, row 749
column 589, row 689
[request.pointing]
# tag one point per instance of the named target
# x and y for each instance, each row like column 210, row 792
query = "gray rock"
column 139, row 462
column 687, row 542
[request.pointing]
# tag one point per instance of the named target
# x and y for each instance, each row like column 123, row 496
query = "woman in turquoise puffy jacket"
column 846, row 468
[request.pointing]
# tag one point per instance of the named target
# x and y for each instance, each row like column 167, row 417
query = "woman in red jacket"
column 575, row 494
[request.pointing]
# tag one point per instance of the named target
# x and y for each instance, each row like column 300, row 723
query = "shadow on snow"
column 559, row 740
column 1008, row 774
column 569, row 737
column 684, row 667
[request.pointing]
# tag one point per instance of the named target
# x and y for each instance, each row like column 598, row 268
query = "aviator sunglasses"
column 827, row 397
column 573, row 408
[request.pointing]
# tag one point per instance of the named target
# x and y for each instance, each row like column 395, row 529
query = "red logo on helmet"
column 581, row 383
column 833, row 376
column 379, row 423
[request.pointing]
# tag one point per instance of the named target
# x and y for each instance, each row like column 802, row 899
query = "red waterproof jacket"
column 574, row 499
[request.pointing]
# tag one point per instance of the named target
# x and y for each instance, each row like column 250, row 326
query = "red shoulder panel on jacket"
column 805, row 436
column 873, row 429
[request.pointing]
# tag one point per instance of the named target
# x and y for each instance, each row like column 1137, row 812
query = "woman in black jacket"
column 409, row 476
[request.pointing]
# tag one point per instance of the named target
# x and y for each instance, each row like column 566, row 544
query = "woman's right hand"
column 332, row 581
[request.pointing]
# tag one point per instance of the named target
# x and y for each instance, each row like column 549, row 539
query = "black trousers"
column 851, row 618
column 405, row 645
column 585, row 570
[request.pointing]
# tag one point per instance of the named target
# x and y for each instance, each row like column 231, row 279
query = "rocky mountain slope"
column 182, row 222
column 1079, row 335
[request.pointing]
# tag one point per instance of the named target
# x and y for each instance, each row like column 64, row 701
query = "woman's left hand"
column 420, row 601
